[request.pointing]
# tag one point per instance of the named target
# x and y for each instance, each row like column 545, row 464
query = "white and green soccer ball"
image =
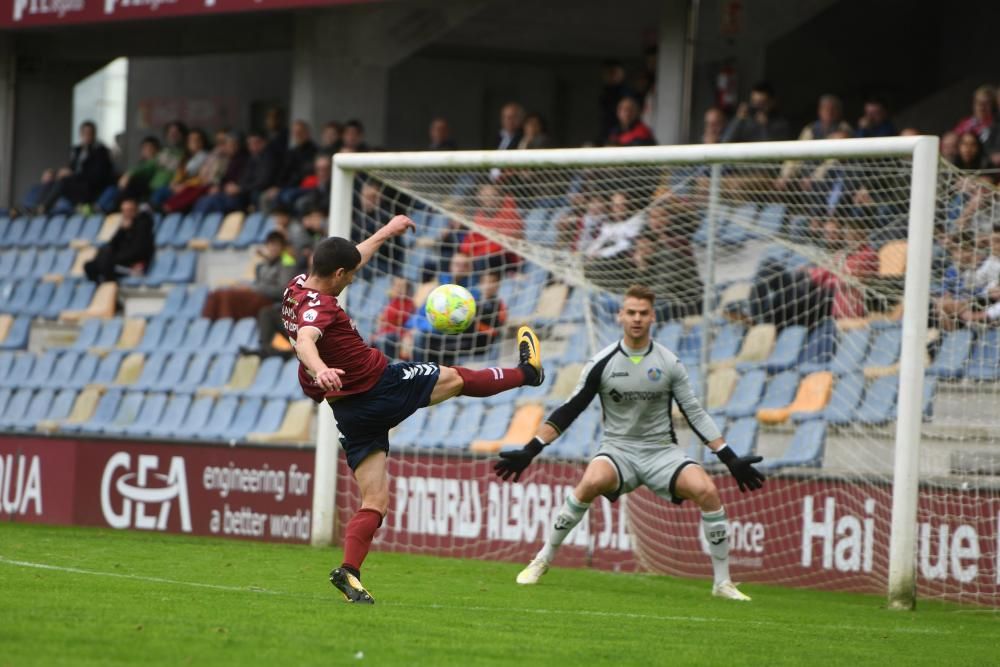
column 450, row 308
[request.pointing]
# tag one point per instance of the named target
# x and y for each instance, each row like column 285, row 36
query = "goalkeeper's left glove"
column 514, row 463
column 741, row 467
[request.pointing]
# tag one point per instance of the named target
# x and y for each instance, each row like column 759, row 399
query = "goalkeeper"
column 638, row 380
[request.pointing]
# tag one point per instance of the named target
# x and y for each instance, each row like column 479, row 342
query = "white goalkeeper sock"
column 714, row 525
column 569, row 515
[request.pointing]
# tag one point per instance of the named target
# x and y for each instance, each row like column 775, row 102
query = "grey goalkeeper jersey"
column 637, row 393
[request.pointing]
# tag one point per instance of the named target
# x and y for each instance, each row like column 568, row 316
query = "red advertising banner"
column 242, row 492
column 49, row 13
column 817, row 533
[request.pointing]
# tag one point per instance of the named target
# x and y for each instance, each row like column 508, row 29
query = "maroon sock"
column 489, row 381
column 358, row 537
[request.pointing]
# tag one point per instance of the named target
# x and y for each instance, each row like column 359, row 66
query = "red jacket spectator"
column 848, row 301
column 630, row 130
column 394, row 317
column 504, row 218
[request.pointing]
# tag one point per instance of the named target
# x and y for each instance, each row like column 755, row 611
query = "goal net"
column 781, row 273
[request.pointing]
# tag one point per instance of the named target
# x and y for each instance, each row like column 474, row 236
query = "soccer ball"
column 450, row 308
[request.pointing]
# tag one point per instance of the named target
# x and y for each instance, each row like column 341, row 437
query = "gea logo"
column 143, row 489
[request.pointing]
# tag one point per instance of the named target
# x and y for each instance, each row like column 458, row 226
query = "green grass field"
column 72, row 596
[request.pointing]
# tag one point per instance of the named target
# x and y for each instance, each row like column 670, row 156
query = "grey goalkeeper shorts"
column 657, row 468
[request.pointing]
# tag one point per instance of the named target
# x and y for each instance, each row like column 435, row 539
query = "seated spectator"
column 329, row 138
column 443, row 246
column 875, row 121
column 224, row 163
column 665, row 262
column 533, row 133
column 511, row 126
column 391, row 324
column 630, row 130
column 782, row 297
column 970, row 152
column 297, row 165
column 256, row 176
column 134, row 183
column 853, row 261
column 825, row 184
column 714, row 126
column 37, row 194
column 353, row 138
column 305, row 234
column 614, row 89
column 957, row 292
column 829, row 119
column 617, row 232
column 439, row 135
column 984, row 114
column 371, row 213
column 577, row 227
column 496, row 211
column 275, row 135
column 130, row 251
column 758, row 120
column 273, row 274
column 314, row 190
column 949, row 146
column 985, row 309
column 196, row 153
column 88, row 174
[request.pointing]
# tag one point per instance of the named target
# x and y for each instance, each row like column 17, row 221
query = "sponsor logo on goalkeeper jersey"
column 619, row 396
column 144, row 496
column 20, row 485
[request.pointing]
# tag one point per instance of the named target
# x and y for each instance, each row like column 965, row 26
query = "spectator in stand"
column 618, row 232
column 226, row 161
column 391, row 325
column 420, row 341
column 630, row 130
column 273, row 273
column 847, row 236
column 875, row 121
column 949, row 146
column 130, row 251
column 370, row 214
column 758, row 120
column 613, row 91
column 439, row 136
column 956, row 294
column 715, row 125
column 829, row 119
column 257, row 175
column 297, row 165
column 195, row 156
column 88, row 174
column 134, row 183
column 984, row 114
column 443, row 247
column 36, row 195
column 311, row 230
column 511, row 126
column 496, row 211
column 329, row 138
column 579, row 226
column 665, row 262
column 534, row 134
column 314, row 190
column 970, row 152
column 986, row 307
column 276, row 134
column 353, row 138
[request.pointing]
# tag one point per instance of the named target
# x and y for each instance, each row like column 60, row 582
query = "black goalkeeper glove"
column 741, row 467
column 514, row 462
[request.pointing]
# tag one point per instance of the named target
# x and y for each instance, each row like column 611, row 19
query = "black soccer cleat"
column 530, row 357
column 350, row 586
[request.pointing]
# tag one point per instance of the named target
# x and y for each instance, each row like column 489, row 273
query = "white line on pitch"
column 492, row 610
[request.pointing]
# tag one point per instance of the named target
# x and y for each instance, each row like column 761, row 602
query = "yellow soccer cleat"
column 350, row 586
column 530, row 355
column 531, row 574
column 728, row 590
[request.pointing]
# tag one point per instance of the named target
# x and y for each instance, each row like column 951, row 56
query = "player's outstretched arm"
column 395, row 227
column 305, row 348
column 513, row 463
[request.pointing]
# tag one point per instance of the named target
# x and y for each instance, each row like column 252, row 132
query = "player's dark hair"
column 276, row 237
column 332, row 254
column 641, row 292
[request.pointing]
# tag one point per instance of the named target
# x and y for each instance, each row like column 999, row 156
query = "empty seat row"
column 32, row 263
column 37, row 298
column 168, row 267
column 965, row 355
column 56, row 231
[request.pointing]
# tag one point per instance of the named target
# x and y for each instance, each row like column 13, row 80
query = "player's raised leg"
column 599, row 478
column 461, row 381
column 694, row 484
column 373, row 482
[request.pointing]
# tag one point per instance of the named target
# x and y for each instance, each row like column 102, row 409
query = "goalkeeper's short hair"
column 641, row 292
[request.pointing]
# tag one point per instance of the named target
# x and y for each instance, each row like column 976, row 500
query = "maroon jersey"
column 339, row 345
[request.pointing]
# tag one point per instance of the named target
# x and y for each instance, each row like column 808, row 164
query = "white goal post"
column 921, row 151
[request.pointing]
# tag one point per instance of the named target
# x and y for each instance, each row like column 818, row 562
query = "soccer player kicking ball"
column 638, row 380
column 369, row 395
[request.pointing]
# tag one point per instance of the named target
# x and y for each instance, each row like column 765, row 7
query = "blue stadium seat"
column 5, row 394
column 173, row 414
column 17, row 336
column 62, row 263
column 153, row 335
column 107, row 368
column 218, row 336
column 6, row 362
column 949, row 363
column 32, row 232
column 736, row 226
column 847, row 391
column 243, row 421
column 580, row 439
column 689, row 349
column 495, row 421
column 36, row 409
column 87, row 336
column 252, row 226
column 111, row 331
column 24, row 264
column 105, row 411
column 158, row 273
column 167, row 229
column 741, row 436
column 266, row 380
column 174, row 302
column 62, row 405
column 780, row 390
column 53, row 231
column 852, row 348
column 209, row 226
column 17, row 406
column 185, row 268
column 44, row 291
column 984, row 362
column 42, row 369
column 7, row 260
column 669, row 335
column 126, row 413
column 194, row 335
column 152, row 369
column 745, row 397
column 59, row 301
column 193, row 373
column 266, row 227
column 19, row 374
column 16, row 295
column 82, row 295
column 466, row 425
column 91, row 228
column 69, row 230
column 727, row 341
column 820, row 346
column 83, row 370
column 195, row 301
column 786, row 352
column 44, row 261
column 271, row 417
column 15, row 231
column 771, row 220
column 885, row 348
column 173, row 371
column 194, row 422
column 440, row 420
column 879, row 404
column 244, row 333
column 410, row 432
column 4, row 225
column 152, row 411
column 186, row 230
column 173, row 334
column 219, row 420
column 806, row 448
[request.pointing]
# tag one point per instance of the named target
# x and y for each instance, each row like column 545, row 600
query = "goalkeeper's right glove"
column 514, row 462
column 741, row 467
